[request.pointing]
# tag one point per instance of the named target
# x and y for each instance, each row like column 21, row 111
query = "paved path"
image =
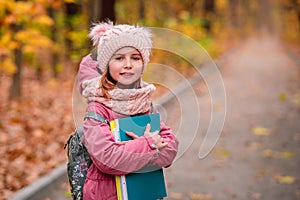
column 257, row 155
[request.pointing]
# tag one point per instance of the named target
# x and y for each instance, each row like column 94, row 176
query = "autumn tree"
column 208, row 9
column 21, row 24
column 103, row 10
column 51, row 10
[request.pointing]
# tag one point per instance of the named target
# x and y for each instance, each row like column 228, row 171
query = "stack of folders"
column 147, row 183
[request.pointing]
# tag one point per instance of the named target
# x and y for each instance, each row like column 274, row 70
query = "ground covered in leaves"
column 34, row 130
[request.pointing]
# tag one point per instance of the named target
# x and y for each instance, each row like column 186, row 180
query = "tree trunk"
column 209, row 8
column 108, row 10
column 96, row 11
column 54, row 54
column 296, row 6
column 71, row 10
column 142, row 10
column 103, row 10
column 15, row 91
column 233, row 4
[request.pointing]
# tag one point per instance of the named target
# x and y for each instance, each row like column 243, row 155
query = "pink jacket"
column 109, row 158
column 87, row 70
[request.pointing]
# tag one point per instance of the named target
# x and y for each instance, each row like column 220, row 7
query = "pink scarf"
column 124, row 101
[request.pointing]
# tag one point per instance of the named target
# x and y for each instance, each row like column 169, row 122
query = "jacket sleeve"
column 87, row 70
column 168, row 153
column 112, row 158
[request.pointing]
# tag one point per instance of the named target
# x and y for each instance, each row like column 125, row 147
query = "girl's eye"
column 118, row 58
column 136, row 58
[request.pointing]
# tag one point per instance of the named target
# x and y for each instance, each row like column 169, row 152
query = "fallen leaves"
column 284, row 179
column 199, row 196
column 268, row 153
column 34, row 131
column 282, row 97
column 255, row 195
column 176, row 195
column 274, row 154
column 296, row 99
column 190, row 195
column 261, row 131
column 222, row 152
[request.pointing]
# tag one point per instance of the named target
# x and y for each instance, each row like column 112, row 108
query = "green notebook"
column 147, row 183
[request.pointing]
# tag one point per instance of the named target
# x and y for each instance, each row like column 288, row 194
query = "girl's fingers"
column 132, row 135
column 162, row 145
column 121, row 143
column 147, row 130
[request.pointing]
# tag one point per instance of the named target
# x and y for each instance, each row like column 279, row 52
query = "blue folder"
column 147, row 183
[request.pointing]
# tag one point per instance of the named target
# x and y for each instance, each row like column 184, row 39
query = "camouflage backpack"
column 78, row 158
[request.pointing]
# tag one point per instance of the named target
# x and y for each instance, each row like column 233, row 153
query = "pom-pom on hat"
column 110, row 38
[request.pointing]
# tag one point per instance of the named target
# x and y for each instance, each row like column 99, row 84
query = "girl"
column 114, row 89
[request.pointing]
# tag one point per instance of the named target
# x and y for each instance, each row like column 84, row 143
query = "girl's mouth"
column 126, row 74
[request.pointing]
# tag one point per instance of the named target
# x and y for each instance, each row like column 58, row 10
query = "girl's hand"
column 130, row 134
column 157, row 140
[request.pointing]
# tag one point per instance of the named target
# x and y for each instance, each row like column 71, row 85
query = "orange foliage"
column 33, row 131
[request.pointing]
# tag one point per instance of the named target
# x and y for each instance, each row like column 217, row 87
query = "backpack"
column 79, row 160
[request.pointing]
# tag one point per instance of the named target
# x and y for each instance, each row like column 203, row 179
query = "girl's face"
column 126, row 67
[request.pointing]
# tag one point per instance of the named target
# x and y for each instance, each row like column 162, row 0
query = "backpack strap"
column 95, row 116
column 92, row 115
column 94, row 53
column 152, row 108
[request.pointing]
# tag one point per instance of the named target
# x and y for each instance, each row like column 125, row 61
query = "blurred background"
column 43, row 41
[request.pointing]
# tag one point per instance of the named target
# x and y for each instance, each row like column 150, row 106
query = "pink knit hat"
column 110, row 38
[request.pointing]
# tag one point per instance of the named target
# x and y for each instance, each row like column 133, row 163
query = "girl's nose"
column 128, row 63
